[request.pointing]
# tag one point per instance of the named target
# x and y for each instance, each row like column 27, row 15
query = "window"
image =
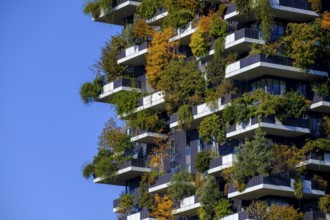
column 272, row 86
column 200, row 145
column 187, row 151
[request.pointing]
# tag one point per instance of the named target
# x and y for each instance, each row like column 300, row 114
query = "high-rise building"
column 226, row 104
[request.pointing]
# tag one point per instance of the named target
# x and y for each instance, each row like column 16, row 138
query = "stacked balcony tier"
column 260, row 65
column 161, row 184
column 147, row 137
column 128, row 170
column 317, row 162
column 296, row 10
column 133, row 56
column 260, row 186
column 188, row 207
column 321, row 104
column 117, row 86
column 120, row 10
column 272, row 126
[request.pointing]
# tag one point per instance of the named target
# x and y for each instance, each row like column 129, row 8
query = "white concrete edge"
column 157, row 188
column 122, row 171
column 184, row 34
column 119, row 89
column 315, row 162
column 132, row 56
column 147, row 134
column 186, row 208
column 220, row 168
column 294, row 10
column 320, row 104
column 158, row 17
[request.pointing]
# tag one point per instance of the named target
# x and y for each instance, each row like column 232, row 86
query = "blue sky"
column 46, row 133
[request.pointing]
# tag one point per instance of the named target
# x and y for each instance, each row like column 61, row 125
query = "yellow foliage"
column 142, row 29
column 325, row 23
column 163, row 209
column 159, row 153
column 200, row 38
column 161, row 52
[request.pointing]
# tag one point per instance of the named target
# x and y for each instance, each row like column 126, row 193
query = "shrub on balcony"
column 142, row 30
column 95, row 7
column 146, row 199
column 200, row 39
column 324, row 203
column 258, row 210
column 181, row 186
column 318, row 145
column 181, row 12
column 147, row 8
column 284, row 212
column 126, row 202
column 301, row 42
column 182, row 84
column 126, row 101
column 89, row 92
column 253, row 158
column 316, row 5
column 212, row 201
column 325, row 127
column 298, row 187
column 284, row 159
column 325, row 22
column 213, row 128
column 202, row 161
column 158, row 155
column 320, row 182
column 185, row 117
column 147, row 120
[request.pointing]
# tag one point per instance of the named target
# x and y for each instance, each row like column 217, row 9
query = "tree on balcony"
column 163, row 208
column 159, row 154
column 89, row 92
column 147, row 9
column 324, row 203
column 181, row 186
column 126, row 202
column 94, row 7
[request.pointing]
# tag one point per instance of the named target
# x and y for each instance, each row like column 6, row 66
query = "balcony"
column 320, row 104
column 317, row 162
column 116, row 208
column 154, row 101
column 183, row 34
column 188, row 207
column 161, row 184
column 243, row 215
column 128, row 170
column 117, row 86
column 201, row 111
column 133, row 56
column 260, row 186
column 315, row 215
column 289, row 128
column 142, row 215
column 158, row 18
column 296, row 10
column 147, row 137
column 121, row 10
column 221, row 163
column 241, row 40
column 259, row 65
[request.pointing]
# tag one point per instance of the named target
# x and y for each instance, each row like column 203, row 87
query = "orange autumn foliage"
column 160, row 53
column 159, row 153
column 325, row 23
column 163, row 209
column 142, row 29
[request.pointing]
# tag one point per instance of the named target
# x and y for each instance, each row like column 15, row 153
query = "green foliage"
column 215, row 72
column 88, row 170
column 126, row 101
column 324, row 203
column 264, row 13
column 213, row 127
column 182, row 84
column 108, row 60
column 316, row 5
column 126, row 202
column 148, row 8
column 218, row 27
column 317, row 145
column 185, row 116
column 298, row 188
column 89, row 92
column 292, row 105
column 243, row 6
column 253, row 158
column 146, row 120
column 209, row 198
column 146, row 199
column 199, row 43
column 223, row 208
column 181, row 186
column 181, row 12
column 202, row 161
column 94, row 7
column 321, row 88
column 301, row 42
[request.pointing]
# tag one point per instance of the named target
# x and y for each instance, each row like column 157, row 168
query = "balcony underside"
column 262, row 68
column 148, row 137
column 123, row 175
column 242, row 45
column 189, row 210
column 322, row 106
column 106, row 97
column 262, row 190
column 216, row 171
column 135, row 59
column 316, row 165
column 118, row 14
column 270, row 129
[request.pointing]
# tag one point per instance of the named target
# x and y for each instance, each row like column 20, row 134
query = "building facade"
column 233, row 91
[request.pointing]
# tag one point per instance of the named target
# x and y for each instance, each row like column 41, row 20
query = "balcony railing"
column 299, row 4
column 163, row 179
column 314, row 215
column 318, row 98
column 132, row 50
